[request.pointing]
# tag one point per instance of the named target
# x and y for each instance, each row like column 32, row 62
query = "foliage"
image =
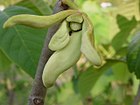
column 133, row 56
column 25, row 43
column 117, row 37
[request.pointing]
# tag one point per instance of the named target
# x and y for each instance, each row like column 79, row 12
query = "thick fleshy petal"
column 77, row 18
column 38, row 21
column 86, row 47
column 62, row 60
column 61, row 38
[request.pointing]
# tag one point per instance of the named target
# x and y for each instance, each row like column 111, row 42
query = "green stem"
column 137, row 97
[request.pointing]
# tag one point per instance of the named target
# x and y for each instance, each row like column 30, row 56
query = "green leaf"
column 20, row 43
column 126, row 26
column 4, row 61
column 88, row 78
column 102, row 83
column 121, row 72
column 122, row 52
column 133, row 55
column 39, row 6
column 117, row 72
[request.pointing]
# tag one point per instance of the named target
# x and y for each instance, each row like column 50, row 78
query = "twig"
column 11, row 94
column 38, row 91
column 137, row 98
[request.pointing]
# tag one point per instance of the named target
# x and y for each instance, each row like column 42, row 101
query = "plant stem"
column 38, row 91
column 137, row 98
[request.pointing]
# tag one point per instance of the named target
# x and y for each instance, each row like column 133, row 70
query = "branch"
column 38, row 91
column 137, row 98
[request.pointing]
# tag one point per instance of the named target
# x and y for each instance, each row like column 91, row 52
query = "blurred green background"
column 115, row 23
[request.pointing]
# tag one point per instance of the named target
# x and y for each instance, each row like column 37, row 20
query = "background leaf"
column 133, row 55
column 121, row 73
column 126, row 26
column 4, row 61
column 88, row 78
column 39, row 6
column 22, row 44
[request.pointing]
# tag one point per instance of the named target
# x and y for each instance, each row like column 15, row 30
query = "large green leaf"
column 102, row 83
column 133, row 55
column 38, row 6
column 22, row 44
column 88, row 78
column 126, row 26
column 117, row 71
column 121, row 73
column 4, row 61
